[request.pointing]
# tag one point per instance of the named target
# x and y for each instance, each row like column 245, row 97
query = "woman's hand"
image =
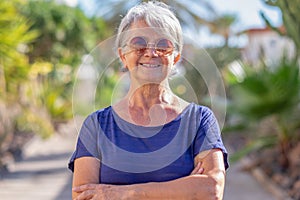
column 198, row 169
column 98, row 192
column 108, row 192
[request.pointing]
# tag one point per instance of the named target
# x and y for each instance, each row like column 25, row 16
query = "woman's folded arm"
column 205, row 182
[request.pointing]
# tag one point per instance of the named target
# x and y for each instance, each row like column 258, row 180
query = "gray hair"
column 155, row 14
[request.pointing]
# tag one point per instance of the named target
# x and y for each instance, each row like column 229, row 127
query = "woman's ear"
column 123, row 60
column 177, row 58
column 121, row 55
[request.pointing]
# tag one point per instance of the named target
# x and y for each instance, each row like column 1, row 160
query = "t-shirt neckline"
column 179, row 116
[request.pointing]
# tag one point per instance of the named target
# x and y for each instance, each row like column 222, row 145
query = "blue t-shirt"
column 132, row 154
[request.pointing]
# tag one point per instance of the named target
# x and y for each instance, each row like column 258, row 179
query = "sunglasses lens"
column 164, row 46
column 139, row 44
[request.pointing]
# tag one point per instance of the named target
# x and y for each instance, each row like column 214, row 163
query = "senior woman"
column 151, row 144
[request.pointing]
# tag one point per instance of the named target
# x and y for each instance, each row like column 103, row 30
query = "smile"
column 150, row 65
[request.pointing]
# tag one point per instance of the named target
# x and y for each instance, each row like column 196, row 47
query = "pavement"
column 42, row 174
column 241, row 185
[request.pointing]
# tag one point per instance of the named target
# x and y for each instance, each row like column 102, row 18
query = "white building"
column 266, row 44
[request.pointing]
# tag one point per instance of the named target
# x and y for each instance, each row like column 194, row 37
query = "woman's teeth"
column 149, row 65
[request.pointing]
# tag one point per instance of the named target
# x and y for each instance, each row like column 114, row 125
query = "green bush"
column 270, row 94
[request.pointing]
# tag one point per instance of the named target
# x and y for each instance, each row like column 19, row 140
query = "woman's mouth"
column 150, row 65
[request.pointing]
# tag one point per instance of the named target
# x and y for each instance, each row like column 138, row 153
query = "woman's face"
column 147, row 65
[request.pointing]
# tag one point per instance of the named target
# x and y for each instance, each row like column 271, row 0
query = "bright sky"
column 247, row 12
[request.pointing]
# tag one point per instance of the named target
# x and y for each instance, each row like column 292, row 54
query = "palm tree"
column 273, row 94
column 221, row 25
column 14, row 68
column 189, row 12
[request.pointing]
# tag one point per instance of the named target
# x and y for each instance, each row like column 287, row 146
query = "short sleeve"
column 209, row 135
column 87, row 140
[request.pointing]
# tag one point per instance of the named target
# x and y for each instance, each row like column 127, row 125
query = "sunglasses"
column 162, row 47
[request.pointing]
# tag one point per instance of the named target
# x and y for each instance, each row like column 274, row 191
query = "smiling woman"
column 151, row 144
column 149, row 55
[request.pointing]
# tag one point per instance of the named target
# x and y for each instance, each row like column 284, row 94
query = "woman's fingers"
column 86, row 195
column 92, row 191
column 198, row 169
column 85, row 187
column 87, row 191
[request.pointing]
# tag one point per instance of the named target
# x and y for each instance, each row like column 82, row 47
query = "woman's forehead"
column 146, row 33
column 141, row 28
column 139, row 24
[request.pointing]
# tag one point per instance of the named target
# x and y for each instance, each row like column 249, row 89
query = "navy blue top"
column 136, row 154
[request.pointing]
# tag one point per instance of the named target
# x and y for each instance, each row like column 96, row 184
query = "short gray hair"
column 155, row 14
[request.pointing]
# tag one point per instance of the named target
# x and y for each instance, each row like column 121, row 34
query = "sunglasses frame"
column 142, row 51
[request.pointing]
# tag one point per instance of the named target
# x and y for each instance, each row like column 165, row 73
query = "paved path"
column 43, row 174
column 241, row 185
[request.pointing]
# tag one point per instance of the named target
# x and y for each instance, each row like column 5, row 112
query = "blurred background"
column 254, row 44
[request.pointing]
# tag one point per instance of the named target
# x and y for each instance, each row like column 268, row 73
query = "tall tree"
column 63, row 31
column 14, row 68
column 189, row 12
column 225, row 54
column 66, row 34
column 221, row 25
column 14, row 40
column 41, row 46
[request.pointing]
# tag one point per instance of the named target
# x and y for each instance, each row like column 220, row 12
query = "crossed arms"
column 205, row 182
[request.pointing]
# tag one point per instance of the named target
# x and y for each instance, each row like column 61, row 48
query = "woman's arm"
column 208, row 185
column 201, row 184
column 86, row 171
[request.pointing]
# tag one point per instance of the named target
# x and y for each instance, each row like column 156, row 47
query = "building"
column 266, row 44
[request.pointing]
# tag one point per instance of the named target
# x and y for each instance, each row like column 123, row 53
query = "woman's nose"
column 151, row 51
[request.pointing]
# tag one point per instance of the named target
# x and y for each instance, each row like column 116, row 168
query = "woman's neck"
column 150, row 94
column 150, row 105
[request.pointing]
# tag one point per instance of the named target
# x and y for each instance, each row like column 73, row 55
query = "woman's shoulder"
column 103, row 112
column 185, row 105
column 198, row 112
column 198, row 108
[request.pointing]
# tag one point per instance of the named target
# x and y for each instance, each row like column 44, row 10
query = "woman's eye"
column 164, row 44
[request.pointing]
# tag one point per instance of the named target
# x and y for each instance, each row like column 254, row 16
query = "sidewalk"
column 43, row 174
column 242, row 186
